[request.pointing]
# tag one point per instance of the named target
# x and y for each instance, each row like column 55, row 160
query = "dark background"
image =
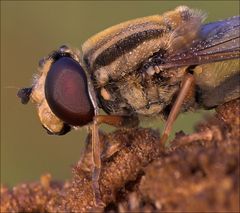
column 29, row 31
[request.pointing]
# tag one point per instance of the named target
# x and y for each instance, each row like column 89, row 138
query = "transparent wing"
column 217, row 41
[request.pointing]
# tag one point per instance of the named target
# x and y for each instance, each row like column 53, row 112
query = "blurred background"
column 29, row 31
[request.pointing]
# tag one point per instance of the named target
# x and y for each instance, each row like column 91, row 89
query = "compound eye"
column 66, row 91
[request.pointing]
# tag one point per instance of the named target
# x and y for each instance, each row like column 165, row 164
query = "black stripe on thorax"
column 125, row 45
column 121, row 34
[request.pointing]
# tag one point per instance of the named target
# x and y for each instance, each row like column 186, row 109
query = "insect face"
column 61, row 92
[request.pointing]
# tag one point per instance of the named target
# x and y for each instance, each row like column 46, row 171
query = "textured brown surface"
column 138, row 148
column 198, row 172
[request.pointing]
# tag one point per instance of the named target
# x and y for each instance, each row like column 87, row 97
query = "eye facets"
column 67, row 94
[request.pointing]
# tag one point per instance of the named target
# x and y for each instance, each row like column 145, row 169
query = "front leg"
column 96, row 156
column 114, row 120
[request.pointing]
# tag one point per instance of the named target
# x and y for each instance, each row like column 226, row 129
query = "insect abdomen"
column 217, row 82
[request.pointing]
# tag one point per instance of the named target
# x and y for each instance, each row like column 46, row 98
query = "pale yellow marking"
column 105, row 94
column 198, row 70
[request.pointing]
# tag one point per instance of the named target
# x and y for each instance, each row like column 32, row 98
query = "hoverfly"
column 151, row 66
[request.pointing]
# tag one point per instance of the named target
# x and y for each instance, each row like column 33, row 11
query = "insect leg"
column 114, row 120
column 186, row 86
column 96, row 156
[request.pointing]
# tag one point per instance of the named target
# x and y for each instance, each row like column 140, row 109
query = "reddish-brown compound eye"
column 66, row 91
